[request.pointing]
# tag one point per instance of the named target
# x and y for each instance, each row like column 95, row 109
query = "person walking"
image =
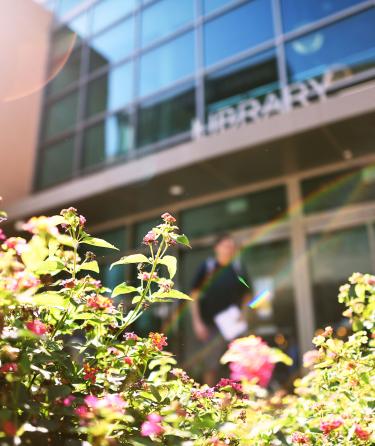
column 219, row 297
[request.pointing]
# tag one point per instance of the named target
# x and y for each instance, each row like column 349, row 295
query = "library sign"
column 250, row 110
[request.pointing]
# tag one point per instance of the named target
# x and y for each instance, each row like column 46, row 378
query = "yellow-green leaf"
column 134, row 258
column 123, row 289
column 171, row 263
column 94, row 241
column 90, row 266
column 172, row 294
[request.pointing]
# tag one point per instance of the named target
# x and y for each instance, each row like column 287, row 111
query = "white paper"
column 264, row 286
column 230, row 323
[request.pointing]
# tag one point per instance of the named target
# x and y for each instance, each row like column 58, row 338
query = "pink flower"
column 41, row 224
column 225, row 382
column 82, row 220
column 68, row 400
column 327, row 426
column 150, row 237
column 311, row 357
column 37, row 327
column 16, row 243
column 158, row 340
column 362, row 433
column 250, row 358
column 168, row 218
column 82, row 411
column 208, row 392
column 2, row 235
column 300, row 438
column 130, row 336
column 99, row 302
column 68, row 283
column 152, row 426
column 147, row 276
column 113, row 401
column 22, row 280
column 9, row 367
column 128, row 360
column 9, row 428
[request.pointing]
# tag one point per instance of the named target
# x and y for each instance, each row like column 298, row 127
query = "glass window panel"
column 339, row 189
column 108, row 11
column 115, row 236
column 166, row 116
column 253, row 77
column 62, row 43
column 333, row 48
column 65, row 6
column 105, row 141
column 238, row 30
column 112, row 90
column 65, row 74
column 113, row 45
column 164, row 65
column 251, row 209
column 80, row 25
column 268, row 267
column 61, row 115
column 164, row 17
column 333, row 258
column 57, row 163
column 309, row 11
column 211, row 5
column 110, row 278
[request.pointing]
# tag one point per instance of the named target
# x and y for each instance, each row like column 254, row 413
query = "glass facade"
column 163, row 63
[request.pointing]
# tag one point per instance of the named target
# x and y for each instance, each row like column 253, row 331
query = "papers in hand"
column 230, row 323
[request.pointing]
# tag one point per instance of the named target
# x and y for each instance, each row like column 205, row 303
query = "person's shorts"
column 213, row 349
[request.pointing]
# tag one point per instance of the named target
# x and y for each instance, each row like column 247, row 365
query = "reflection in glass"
column 57, row 163
column 251, row 209
column 164, row 17
column 108, row 11
column 309, row 11
column 105, row 141
column 166, row 115
column 165, row 64
column 253, row 77
column 333, row 258
column 237, row 30
column 116, row 237
column 212, row 5
column 333, row 49
column 113, row 45
column 66, row 74
column 339, row 189
column 62, row 43
column 274, row 316
column 110, row 91
column 61, row 115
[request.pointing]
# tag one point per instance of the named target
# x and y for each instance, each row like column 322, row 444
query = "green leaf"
column 173, row 294
column 123, row 289
column 56, row 220
column 171, row 263
column 243, row 281
column 134, row 258
column 88, row 240
column 90, row 266
column 50, row 299
column 182, row 239
column 50, row 266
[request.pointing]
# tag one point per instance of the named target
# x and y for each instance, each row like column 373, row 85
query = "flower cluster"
column 158, row 340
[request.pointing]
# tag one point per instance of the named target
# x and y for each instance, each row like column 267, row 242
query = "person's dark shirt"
column 219, row 288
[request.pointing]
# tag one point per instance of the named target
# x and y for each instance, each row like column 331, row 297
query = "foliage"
column 334, row 403
column 72, row 372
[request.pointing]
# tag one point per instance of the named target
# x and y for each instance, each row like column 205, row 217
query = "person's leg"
column 216, row 346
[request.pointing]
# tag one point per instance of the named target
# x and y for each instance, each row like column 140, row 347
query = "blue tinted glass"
column 113, row 45
column 167, row 63
column 65, row 6
column 164, row 17
column 108, row 11
column 347, row 47
column 57, row 163
column 111, row 91
column 107, row 140
column 253, row 77
column 80, row 25
column 308, row 11
column 211, row 5
column 238, row 30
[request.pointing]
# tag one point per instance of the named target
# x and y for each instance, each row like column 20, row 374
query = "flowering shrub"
column 334, row 403
column 71, row 370
column 73, row 373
